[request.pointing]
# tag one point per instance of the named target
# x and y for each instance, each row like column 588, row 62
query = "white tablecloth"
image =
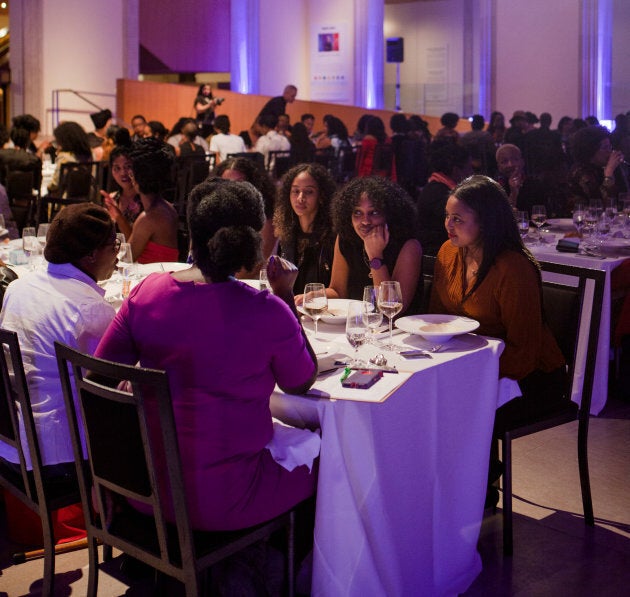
column 402, row 483
column 600, row 384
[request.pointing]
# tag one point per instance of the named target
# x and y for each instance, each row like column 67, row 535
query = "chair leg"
column 93, row 567
column 585, row 483
column 506, row 448
column 48, row 582
column 291, row 554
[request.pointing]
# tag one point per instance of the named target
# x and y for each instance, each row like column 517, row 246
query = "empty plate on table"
column 561, row 223
column 335, row 313
column 438, row 328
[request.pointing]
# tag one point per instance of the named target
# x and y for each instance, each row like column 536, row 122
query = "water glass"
column 125, row 258
column 29, row 239
column 371, row 314
column 522, row 222
column 42, row 233
column 262, row 277
column 2, row 222
column 539, row 217
column 356, row 329
column 390, row 304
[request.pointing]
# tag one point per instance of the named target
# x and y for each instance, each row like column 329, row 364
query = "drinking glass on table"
column 390, row 304
column 371, row 314
column 2, row 222
column 539, row 217
column 121, row 237
column 42, row 231
column 356, row 329
column 262, row 279
column 29, row 239
column 579, row 217
column 522, row 222
column 315, row 302
column 590, row 220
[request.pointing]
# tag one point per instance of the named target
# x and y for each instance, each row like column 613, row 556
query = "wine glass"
column 121, row 237
column 390, row 304
column 371, row 315
column 579, row 217
column 315, row 302
column 125, row 257
column 522, row 222
column 356, row 329
column 539, row 217
column 2, row 223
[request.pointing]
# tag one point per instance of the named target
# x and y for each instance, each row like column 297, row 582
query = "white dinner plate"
column 438, row 328
column 335, row 313
column 561, row 223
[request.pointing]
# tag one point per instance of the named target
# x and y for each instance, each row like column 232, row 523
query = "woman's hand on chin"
column 376, row 241
column 281, row 275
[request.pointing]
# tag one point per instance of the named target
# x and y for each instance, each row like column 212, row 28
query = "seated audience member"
column 518, row 127
column 224, row 346
column 335, row 135
column 176, row 137
column 409, row 155
column 308, row 120
column 19, row 158
column 496, row 127
column 303, row 224
column 449, row 164
column 249, row 171
column 480, row 145
column 224, row 142
column 284, row 125
column 115, row 136
column 449, row 122
column 153, row 236
column 98, row 136
column 157, row 130
column 63, row 303
column 376, row 154
column 359, row 133
column 72, row 146
column 374, row 220
column 302, row 148
column 270, row 139
column 620, row 137
column 33, row 126
column 123, row 204
column 484, row 272
column 523, row 191
column 188, row 145
column 419, row 128
column 139, row 127
column 597, row 172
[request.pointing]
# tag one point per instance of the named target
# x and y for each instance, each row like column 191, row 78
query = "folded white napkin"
column 291, row 447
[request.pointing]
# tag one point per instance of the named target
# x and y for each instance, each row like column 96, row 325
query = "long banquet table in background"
column 548, row 252
column 402, row 483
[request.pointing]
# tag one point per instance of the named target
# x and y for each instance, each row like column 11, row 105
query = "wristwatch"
column 376, row 263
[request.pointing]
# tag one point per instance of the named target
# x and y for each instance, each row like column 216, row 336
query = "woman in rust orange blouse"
column 484, row 272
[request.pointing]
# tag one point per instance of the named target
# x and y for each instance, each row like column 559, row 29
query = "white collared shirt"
column 64, row 304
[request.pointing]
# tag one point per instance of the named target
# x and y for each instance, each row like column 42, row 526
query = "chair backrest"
column 80, row 180
column 278, row 162
column 22, row 201
column 17, row 424
column 255, row 156
column 133, row 454
column 572, row 304
column 428, row 266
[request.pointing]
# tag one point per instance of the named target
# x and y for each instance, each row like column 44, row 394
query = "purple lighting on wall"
column 244, row 15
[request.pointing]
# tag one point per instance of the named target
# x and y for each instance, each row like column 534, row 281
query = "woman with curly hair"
column 302, row 223
column 225, row 346
column 374, row 220
column 249, row 171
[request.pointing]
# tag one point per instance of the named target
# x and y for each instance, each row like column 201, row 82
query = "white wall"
column 537, row 57
column 425, row 26
column 283, row 47
column 620, row 58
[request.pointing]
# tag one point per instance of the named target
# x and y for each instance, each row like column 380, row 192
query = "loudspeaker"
column 395, row 49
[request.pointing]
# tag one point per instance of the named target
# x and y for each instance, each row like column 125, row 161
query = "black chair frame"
column 586, row 279
column 122, row 456
column 29, row 486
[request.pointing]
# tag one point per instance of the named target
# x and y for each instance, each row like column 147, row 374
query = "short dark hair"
column 269, row 121
column 306, row 117
column 28, row 122
column 21, row 137
column 477, row 122
column 224, row 223
column 449, row 119
column 585, row 142
column 222, row 123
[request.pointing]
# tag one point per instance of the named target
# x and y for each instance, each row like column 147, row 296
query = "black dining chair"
column 29, row 486
column 127, row 417
column 573, row 312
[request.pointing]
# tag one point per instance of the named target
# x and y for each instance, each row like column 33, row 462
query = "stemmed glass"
column 539, row 217
column 390, row 304
column 29, row 239
column 579, row 217
column 42, row 231
column 356, row 329
column 522, row 222
column 125, row 257
column 371, row 315
column 315, row 302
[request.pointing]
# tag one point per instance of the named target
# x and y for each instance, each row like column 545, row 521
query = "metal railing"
column 58, row 95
